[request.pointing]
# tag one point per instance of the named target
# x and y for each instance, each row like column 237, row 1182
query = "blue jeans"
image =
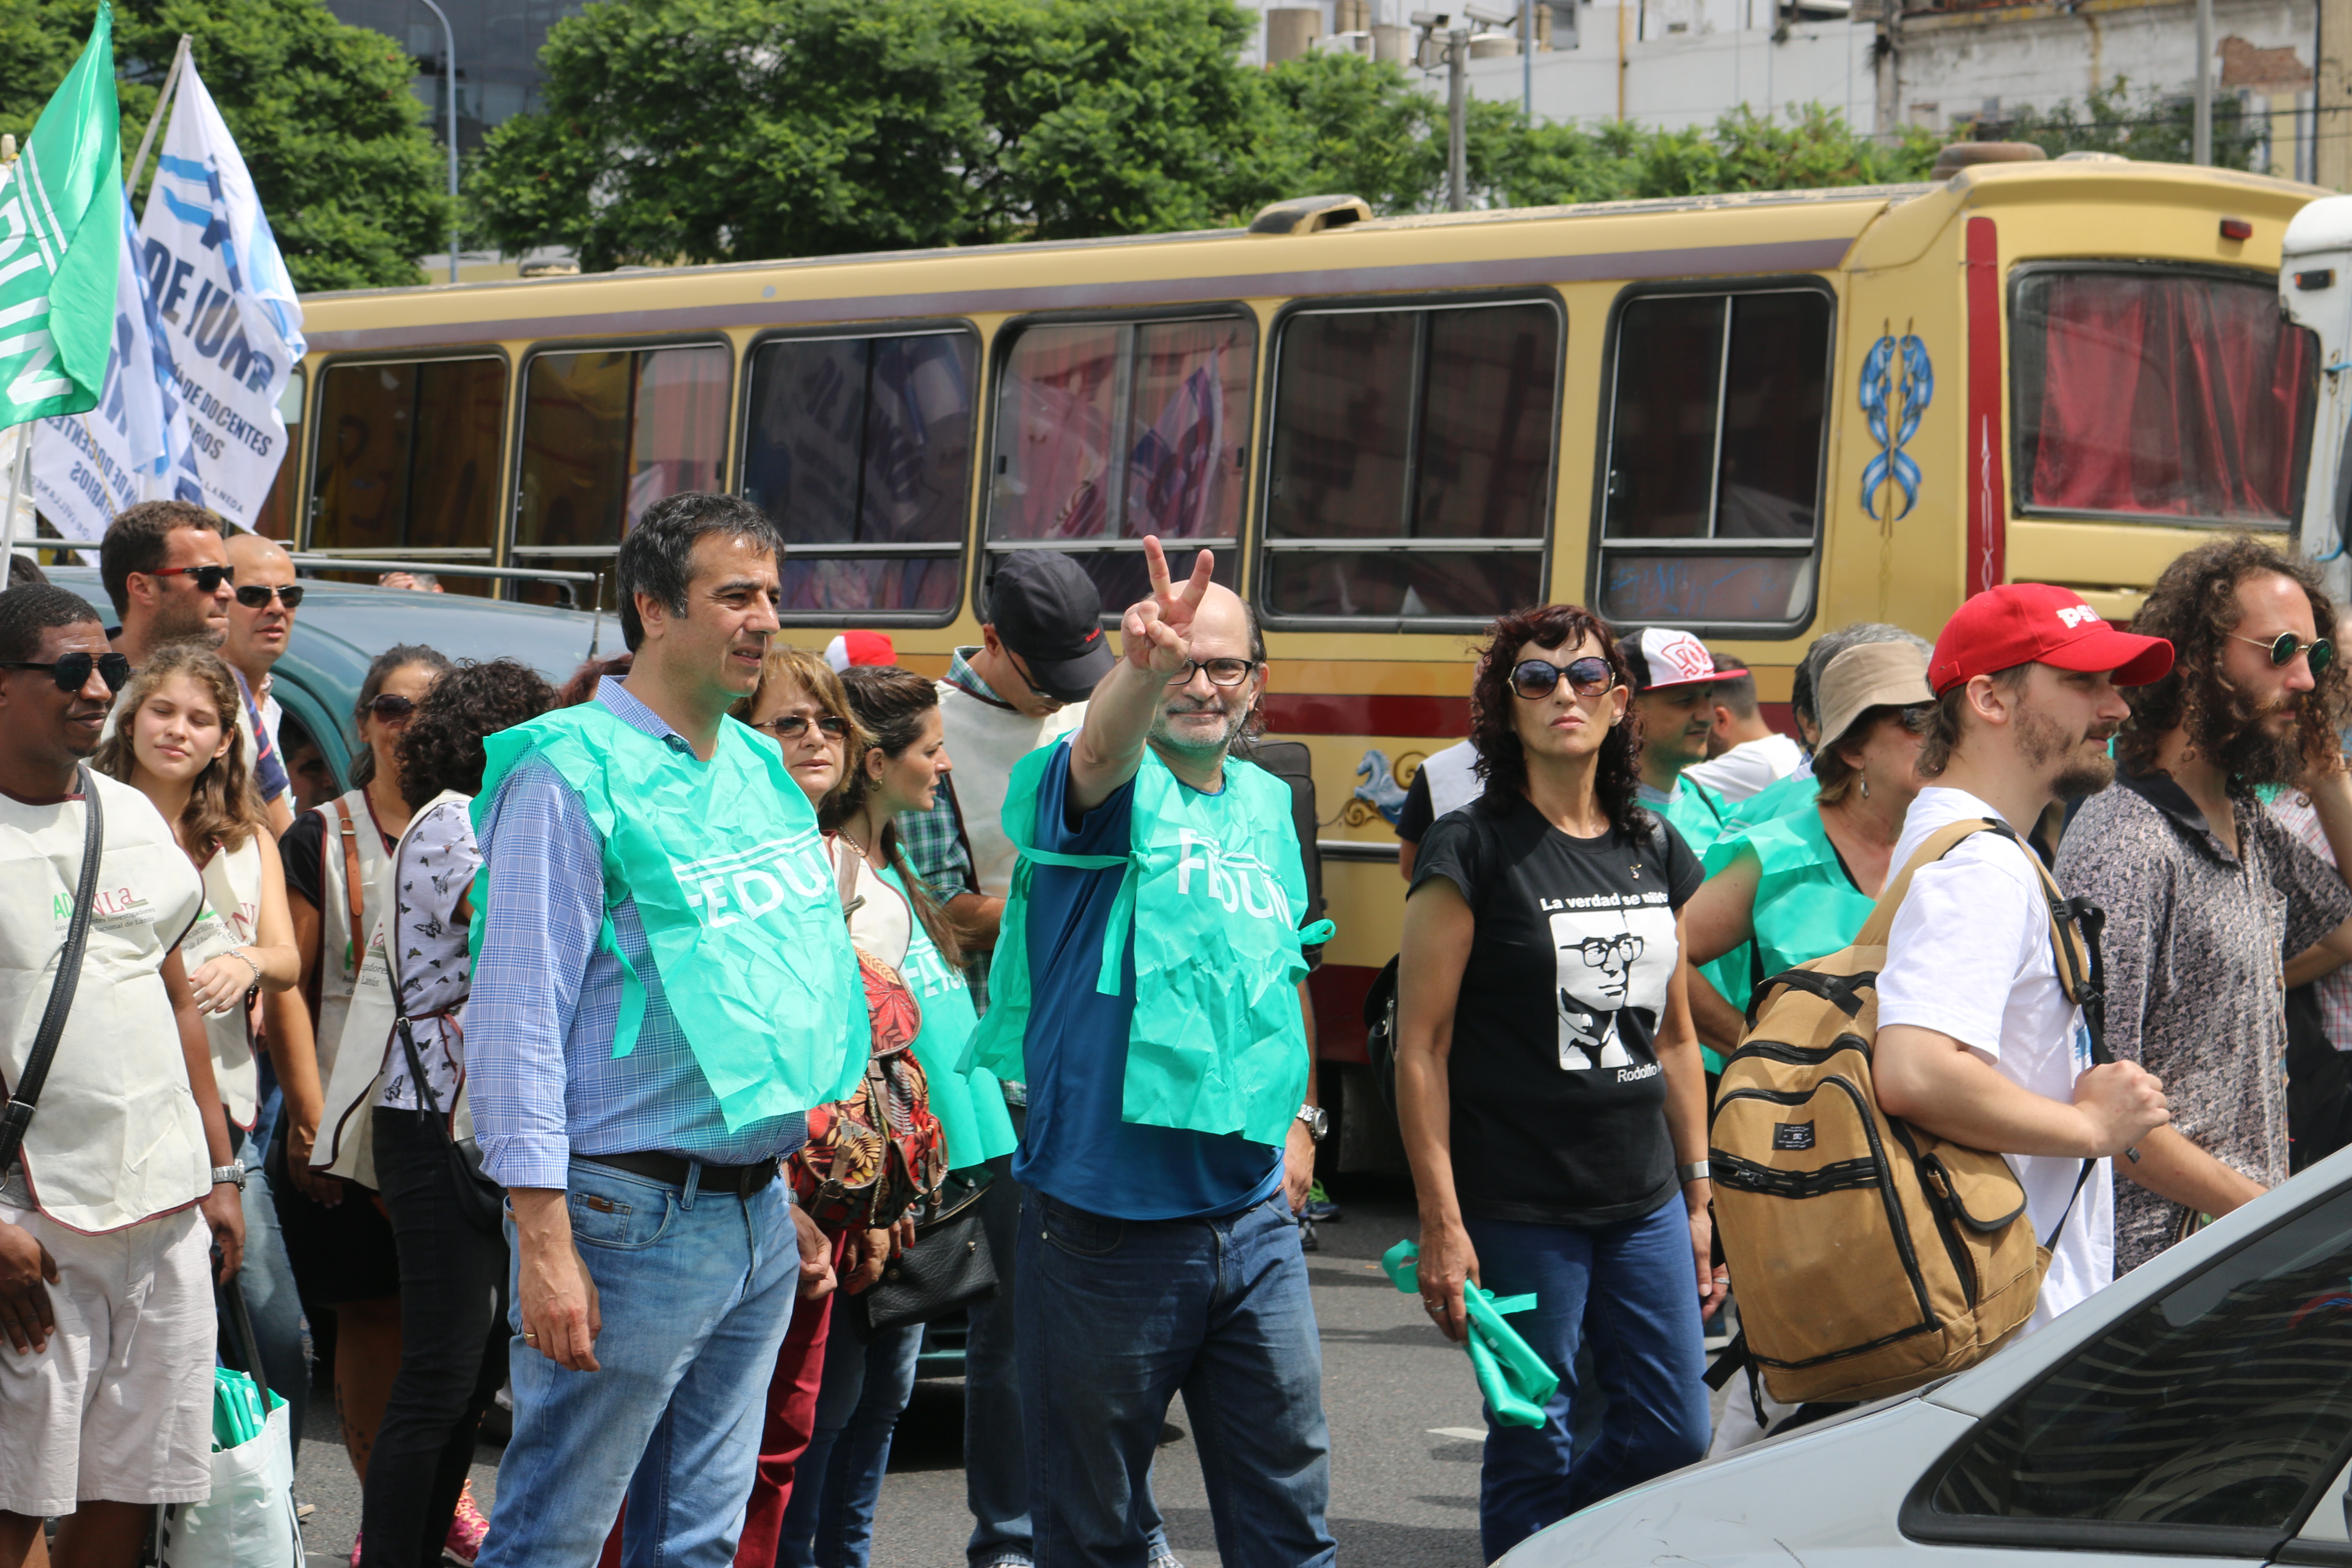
column 1115, row 1317
column 267, row 1277
column 829, row 1523
column 696, row 1289
column 1631, row 1289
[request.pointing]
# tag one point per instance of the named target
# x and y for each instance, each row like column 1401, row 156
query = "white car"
column 2198, row 1411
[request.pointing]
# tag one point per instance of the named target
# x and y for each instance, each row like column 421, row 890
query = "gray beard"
column 1163, row 738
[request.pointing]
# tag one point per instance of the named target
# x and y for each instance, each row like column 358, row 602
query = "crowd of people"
column 666, row 1049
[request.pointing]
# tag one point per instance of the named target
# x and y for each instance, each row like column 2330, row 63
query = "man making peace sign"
column 1146, row 987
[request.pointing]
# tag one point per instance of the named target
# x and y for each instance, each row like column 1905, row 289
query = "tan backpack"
column 1868, row 1256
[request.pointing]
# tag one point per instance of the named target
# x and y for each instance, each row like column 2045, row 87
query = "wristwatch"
column 1693, row 1172
column 233, row 1173
column 1317, row 1119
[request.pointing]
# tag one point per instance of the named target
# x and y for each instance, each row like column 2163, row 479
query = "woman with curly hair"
column 453, row 1275
column 1549, row 1079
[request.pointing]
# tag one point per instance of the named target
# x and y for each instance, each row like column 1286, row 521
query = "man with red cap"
column 1977, row 1041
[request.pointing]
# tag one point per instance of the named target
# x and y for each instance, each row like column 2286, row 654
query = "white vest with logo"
column 117, row 1138
column 232, row 919
column 983, row 741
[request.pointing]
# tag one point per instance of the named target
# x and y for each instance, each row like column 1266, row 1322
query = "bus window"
column 861, row 450
column 1412, row 461
column 1713, row 505
column 276, row 518
column 607, row 432
column 1108, row 431
column 408, row 457
column 2153, row 393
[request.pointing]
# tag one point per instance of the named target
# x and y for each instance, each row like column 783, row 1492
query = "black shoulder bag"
column 18, row 1116
column 482, row 1200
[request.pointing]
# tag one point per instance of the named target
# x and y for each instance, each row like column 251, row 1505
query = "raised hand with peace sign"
column 1156, row 632
column 1159, row 667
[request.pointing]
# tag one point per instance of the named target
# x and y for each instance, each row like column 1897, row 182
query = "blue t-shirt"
column 1074, row 1147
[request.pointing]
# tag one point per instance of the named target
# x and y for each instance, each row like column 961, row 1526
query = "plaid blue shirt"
column 540, row 1025
column 934, row 838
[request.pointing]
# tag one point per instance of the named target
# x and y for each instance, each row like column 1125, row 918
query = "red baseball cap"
column 2034, row 623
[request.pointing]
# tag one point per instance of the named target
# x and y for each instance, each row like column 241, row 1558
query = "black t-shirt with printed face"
column 1559, row 1103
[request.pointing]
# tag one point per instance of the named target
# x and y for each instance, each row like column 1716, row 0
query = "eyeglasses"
column 1600, row 951
column 71, row 671
column 1536, row 679
column 257, row 595
column 207, row 579
column 2284, row 647
column 793, row 725
column 1220, row 672
column 392, row 707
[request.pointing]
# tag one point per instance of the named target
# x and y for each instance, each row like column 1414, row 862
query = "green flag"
column 61, row 242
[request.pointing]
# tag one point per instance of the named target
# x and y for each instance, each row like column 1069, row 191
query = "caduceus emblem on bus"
column 1889, row 357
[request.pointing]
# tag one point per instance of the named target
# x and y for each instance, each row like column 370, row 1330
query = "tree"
column 2159, row 130
column 350, row 177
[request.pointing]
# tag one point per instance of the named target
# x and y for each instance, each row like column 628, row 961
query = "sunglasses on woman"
column 2284, row 647
column 257, row 595
column 71, row 671
column 794, row 725
column 1536, row 679
column 392, row 707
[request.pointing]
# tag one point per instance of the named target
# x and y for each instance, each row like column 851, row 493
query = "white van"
column 2197, row 1412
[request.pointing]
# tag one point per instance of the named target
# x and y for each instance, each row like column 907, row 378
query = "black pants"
column 453, row 1349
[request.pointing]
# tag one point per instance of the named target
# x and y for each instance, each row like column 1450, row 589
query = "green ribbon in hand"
column 1514, row 1379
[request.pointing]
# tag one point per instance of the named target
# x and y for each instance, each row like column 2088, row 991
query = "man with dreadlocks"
column 2204, row 889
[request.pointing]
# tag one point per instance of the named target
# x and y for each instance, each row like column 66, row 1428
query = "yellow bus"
column 1755, row 416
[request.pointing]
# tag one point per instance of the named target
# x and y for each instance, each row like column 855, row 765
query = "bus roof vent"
column 1968, row 155
column 1310, row 215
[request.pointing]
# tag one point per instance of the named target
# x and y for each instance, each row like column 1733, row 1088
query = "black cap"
column 1047, row 610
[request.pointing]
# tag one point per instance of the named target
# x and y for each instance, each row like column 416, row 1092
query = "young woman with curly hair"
column 453, row 1275
column 1548, row 1078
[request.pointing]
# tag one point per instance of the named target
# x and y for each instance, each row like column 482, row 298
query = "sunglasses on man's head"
column 2284, row 647
column 71, row 671
column 1536, row 679
column 207, row 579
column 257, row 595
column 793, row 725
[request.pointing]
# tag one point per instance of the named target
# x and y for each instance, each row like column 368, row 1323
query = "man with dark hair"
column 167, row 572
column 2205, row 891
column 1673, row 679
column 124, row 1180
column 665, row 986
column 1744, row 755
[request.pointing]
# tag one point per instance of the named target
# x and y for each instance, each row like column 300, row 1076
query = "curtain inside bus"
column 2160, row 394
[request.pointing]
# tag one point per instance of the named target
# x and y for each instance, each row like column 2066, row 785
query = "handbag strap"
column 348, row 829
column 846, row 860
column 19, row 1115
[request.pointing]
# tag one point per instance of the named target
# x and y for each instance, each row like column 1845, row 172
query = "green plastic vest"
column 1697, row 813
column 741, row 915
column 1805, row 905
column 1212, row 891
column 969, row 1104
column 1781, row 798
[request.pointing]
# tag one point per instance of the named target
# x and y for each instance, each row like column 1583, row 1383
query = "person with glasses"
column 1147, row 987
column 125, row 1180
column 2205, row 891
column 262, row 602
column 345, row 1257
column 1549, row 1084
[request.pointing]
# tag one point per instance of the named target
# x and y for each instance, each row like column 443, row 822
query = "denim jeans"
column 1631, row 1290
column 271, row 1300
column 696, row 1289
column 453, row 1352
column 1116, row 1317
column 829, row 1522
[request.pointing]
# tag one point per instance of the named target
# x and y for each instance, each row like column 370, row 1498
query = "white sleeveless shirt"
column 232, row 919
column 117, row 1139
column 984, row 740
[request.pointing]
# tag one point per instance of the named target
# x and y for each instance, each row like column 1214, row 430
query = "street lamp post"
column 449, row 61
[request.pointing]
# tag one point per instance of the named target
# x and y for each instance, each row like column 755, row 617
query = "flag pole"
column 15, row 489
column 155, row 121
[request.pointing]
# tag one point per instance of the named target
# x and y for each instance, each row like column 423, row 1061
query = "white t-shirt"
column 1747, row 767
column 1969, row 957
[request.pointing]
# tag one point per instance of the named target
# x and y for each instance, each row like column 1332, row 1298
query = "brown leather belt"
column 741, row 1179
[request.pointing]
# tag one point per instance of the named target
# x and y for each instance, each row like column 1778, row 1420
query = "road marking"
column 1467, row 1434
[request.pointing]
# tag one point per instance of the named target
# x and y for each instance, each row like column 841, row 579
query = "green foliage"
column 351, row 181
column 2159, row 130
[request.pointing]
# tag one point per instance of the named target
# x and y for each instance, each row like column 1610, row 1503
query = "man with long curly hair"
column 2205, row 890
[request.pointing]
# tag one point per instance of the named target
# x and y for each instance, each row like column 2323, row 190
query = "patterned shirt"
column 436, row 866
column 546, row 1002
column 934, row 838
column 2195, row 946
column 2335, row 988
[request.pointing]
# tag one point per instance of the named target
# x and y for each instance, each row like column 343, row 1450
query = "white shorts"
column 119, row 1407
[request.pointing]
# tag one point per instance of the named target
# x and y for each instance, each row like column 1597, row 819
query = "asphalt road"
column 1402, row 1407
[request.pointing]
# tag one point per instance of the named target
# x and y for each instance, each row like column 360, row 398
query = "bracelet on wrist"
column 241, row 956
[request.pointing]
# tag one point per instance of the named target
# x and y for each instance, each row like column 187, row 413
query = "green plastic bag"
column 1514, row 1379
column 239, row 1412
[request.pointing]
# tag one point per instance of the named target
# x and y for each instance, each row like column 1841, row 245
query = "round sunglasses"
column 257, row 595
column 2284, row 647
column 1535, row 680
column 71, row 671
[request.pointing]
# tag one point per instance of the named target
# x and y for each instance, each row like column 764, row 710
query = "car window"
column 2226, row 1403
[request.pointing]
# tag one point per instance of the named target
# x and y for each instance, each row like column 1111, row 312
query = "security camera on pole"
column 1445, row 37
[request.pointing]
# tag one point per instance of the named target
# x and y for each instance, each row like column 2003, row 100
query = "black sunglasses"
column 1534, row 678
column 792, row 724
column 2284, row 647
column 207, row 579
column 391, row 707
column 71, row 671
column 257, row 595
